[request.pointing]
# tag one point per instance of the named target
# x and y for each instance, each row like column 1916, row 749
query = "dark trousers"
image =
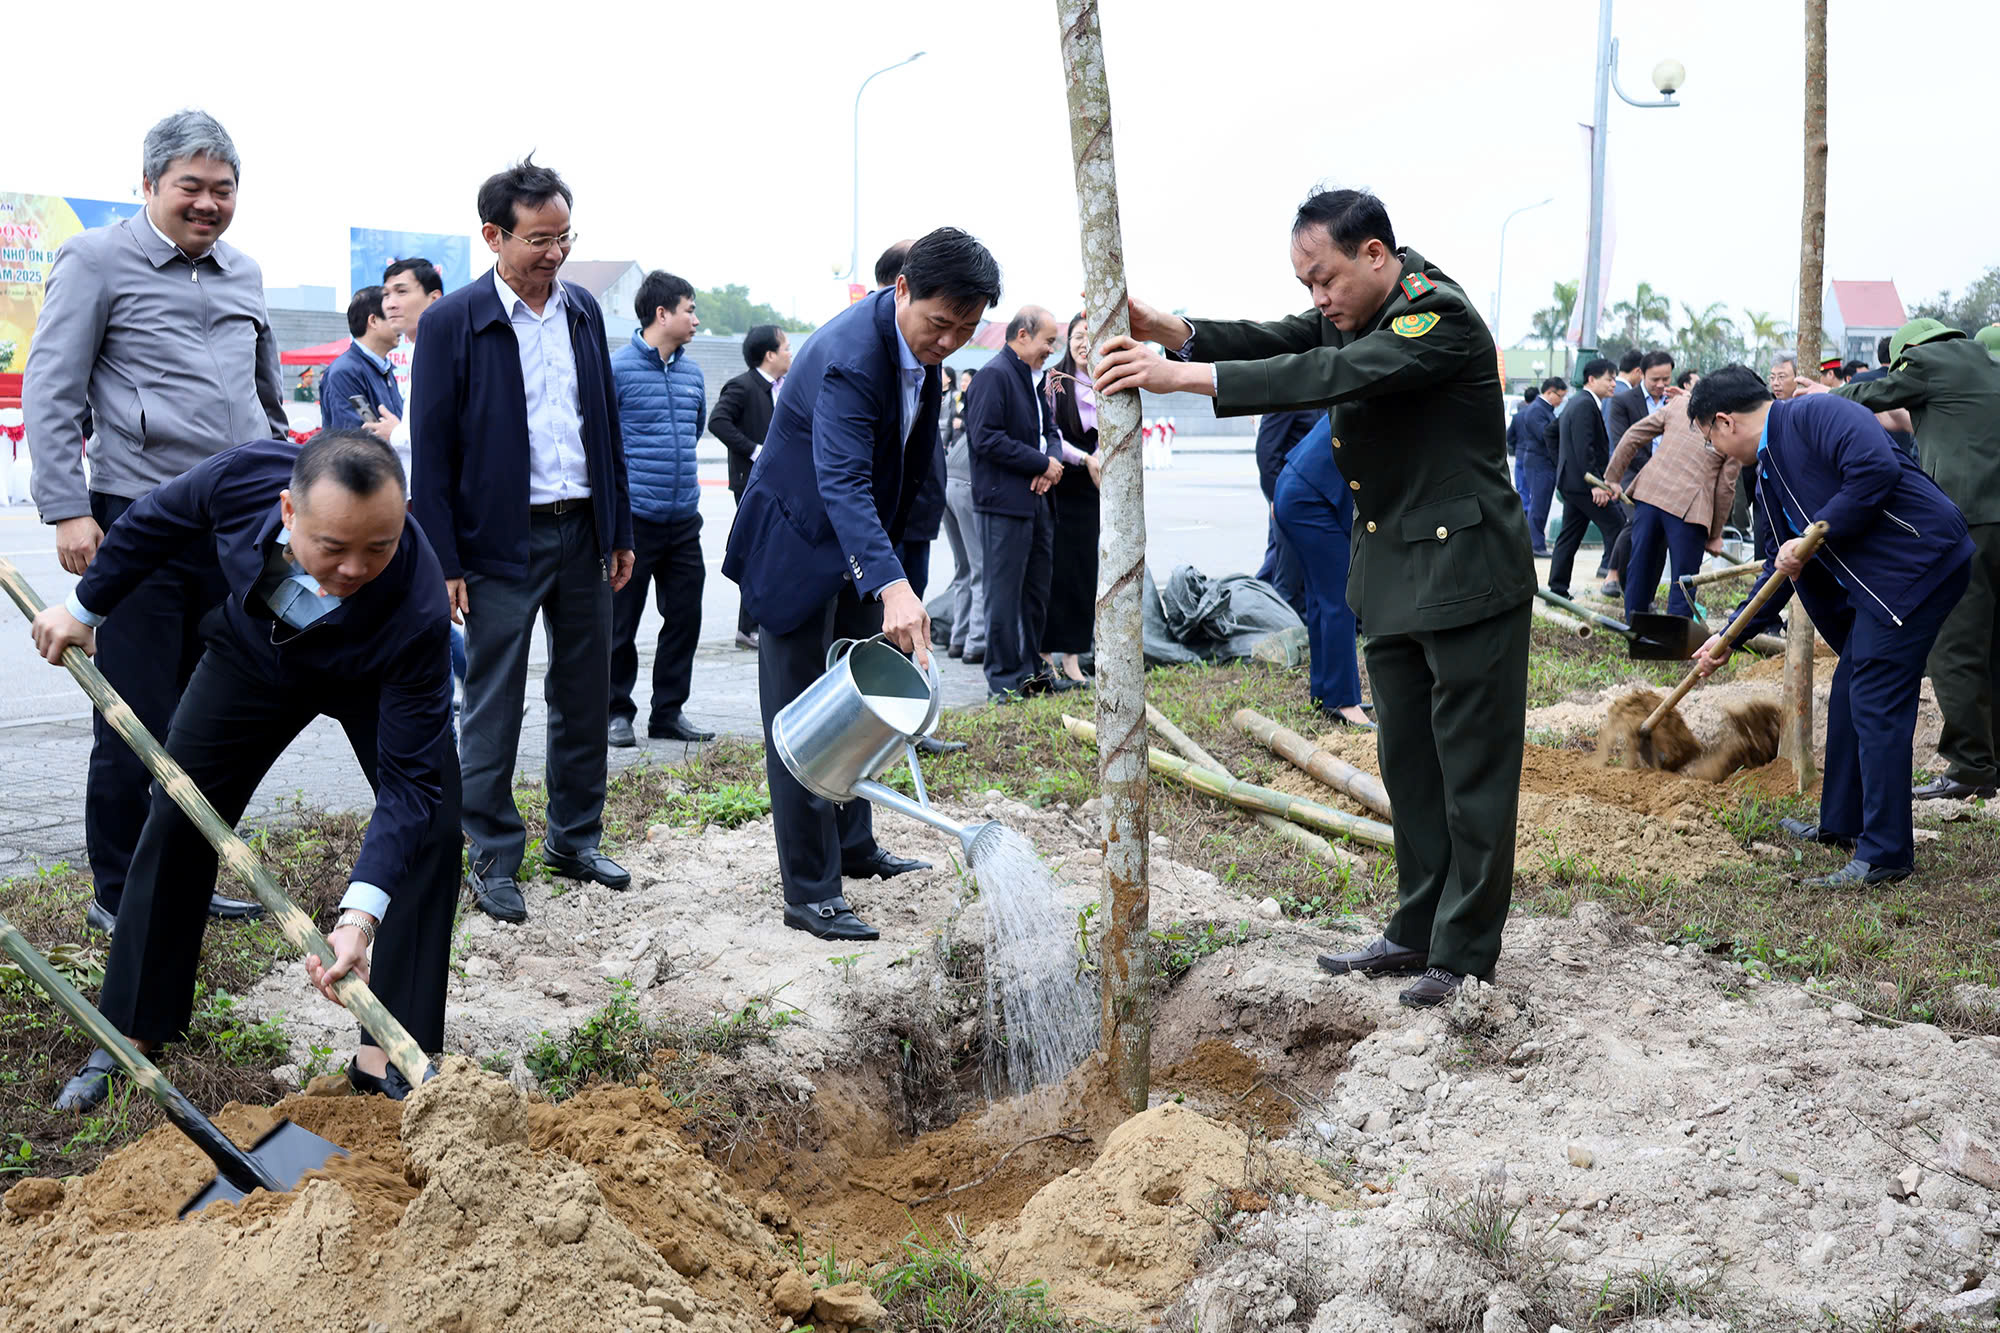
column 667, row 555
column 745, row 622
column 1451, row 705
column 1319, row 533
column 1579, row 512
column 916, row 560
column 815, row 836
column 565, row 583
column 147, row 650
column 1617, row 550
column 233, row 722
column 1965, row 667
column 1020, row 561
column 1871, row 721
column 1282, row 568
column 1659, row 542
column 1540, row 475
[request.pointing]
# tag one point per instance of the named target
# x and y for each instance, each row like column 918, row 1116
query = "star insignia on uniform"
column 1413, row 326
column 1416, row 284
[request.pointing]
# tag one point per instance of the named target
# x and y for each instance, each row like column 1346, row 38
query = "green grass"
column 1562, row 664
column 938, row 1287
column 616, row 1044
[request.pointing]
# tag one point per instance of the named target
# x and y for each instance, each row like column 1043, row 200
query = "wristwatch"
column 360, row 921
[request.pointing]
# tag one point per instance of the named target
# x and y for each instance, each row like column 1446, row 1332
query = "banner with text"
column 32, row 228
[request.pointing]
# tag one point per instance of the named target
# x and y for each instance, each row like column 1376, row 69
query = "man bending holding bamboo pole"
column 1441, row 573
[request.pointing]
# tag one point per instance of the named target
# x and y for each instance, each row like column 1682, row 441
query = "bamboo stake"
column 1300, row 837
column 1561, row 621
column 1121, row 562
column 1795, row 738
column 1301, row 753
column 233, row 851
column 1251, row 797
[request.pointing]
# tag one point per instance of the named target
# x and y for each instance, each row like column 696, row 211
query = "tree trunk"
column 1121, row 564
column 1795, row 740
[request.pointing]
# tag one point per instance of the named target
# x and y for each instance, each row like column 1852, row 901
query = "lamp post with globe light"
column 1668, row 77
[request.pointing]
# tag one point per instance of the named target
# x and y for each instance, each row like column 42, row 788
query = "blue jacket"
column 469, row 432
column 1278, row 433
column 392, row 638
column 1530, row 431
column 662, row 411
column 1012, row 437
column 832, row 489
column 1892, row 536
column 352, row 372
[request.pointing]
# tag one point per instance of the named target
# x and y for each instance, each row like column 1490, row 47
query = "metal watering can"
column 850, row 726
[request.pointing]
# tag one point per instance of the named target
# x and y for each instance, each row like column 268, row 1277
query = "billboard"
column 372, row 249
column 32, row 228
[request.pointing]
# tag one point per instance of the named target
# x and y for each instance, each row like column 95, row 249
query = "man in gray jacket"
column 159, row 330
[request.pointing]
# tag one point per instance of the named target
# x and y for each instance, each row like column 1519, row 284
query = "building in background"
column 1858, row 315
column 615, row 284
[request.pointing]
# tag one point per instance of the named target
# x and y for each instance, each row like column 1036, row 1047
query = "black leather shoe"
column 233, row 909
column 619, row 733
column 932, row 745
column 956, row 650
column 1063, row 684
column 589, row 865
column 1950, row 789
column 831, row 919
column 973, row 656
column 674, row 727
column 1436, row 986
column 91, row 1085
column 1804, row 832
column 1380, row 957
column 1858, row 874
column 391, row 1084
column 99, row 918
column 499, row 897
column 881, row 865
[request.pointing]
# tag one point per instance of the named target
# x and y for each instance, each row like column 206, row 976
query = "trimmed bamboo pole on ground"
column 1250, row 796
column 1795, row 737
column 1127, row 1035
column 1300, row 837
column 1316, row 763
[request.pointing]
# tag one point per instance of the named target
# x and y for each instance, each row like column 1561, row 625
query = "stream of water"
column 1041, row 1018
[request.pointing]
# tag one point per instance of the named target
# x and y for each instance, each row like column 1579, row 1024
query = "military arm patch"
column 1413, row 326
column 1416, row 284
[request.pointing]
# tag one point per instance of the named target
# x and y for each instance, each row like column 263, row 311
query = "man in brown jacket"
column 1681, row 500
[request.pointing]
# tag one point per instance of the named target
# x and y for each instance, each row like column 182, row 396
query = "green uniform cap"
column 1919, row 331
column 1989, row 338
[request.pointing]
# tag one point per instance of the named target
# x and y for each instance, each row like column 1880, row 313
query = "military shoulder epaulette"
column 1416, row 284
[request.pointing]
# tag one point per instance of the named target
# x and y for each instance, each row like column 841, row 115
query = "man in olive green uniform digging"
column 1952, row 390
column 1441, row 575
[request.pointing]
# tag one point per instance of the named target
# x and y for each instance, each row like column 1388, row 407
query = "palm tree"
column 1565, row 306
column 1647, row 306
column 1767, row 332
column 1551, row 324
column 1706, row 340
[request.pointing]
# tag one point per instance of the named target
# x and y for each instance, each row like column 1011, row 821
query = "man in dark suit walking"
column 521, row 487
column 742, row 416
column 813, row 548
column 1016, row 458
column 1582, row 445
column 335, row 607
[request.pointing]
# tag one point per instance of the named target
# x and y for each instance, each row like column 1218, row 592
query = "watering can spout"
column 978, row 839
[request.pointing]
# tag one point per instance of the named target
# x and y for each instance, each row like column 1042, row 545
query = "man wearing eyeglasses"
column 520, row 484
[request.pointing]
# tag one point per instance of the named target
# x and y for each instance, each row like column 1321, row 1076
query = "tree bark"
column 1795, row 740
column 1121, row 564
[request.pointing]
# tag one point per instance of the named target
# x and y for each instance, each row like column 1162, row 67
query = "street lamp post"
column 1500, row 273
column 1668, row 76
column 854, row 255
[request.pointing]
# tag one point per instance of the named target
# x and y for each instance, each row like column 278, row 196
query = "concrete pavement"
column 1207, row 512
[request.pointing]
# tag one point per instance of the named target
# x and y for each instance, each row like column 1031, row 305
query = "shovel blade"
column 287, row 1152
column 1664, row 638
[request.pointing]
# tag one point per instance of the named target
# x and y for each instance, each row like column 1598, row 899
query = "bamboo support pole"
column 1324, row 767
column 1299, row 836
column 1248, row 796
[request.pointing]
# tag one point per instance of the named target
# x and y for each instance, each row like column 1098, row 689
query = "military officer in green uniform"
column 1951, row 387
column 1440, row 574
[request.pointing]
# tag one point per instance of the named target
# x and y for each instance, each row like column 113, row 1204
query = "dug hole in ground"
column 1619, row 1120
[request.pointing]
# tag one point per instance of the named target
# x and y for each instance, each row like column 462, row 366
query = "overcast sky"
column 715, row 139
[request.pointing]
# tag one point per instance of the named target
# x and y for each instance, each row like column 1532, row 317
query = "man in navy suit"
column 852, row 440
column 1896, row 559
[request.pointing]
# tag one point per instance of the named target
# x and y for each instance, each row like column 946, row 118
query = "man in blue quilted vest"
column 662, row 408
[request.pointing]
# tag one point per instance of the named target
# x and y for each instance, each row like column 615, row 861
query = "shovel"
column 1649, row 638
column 298, row 928
column 276, row 1163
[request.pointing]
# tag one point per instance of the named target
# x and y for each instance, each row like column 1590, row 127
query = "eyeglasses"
column 562, row 242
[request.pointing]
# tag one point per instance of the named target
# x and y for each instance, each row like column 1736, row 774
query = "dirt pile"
column 449, row 1220
column 1118, row 1239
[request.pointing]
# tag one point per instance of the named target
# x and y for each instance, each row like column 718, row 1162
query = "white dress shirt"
column 399, row 438
column 557, row 467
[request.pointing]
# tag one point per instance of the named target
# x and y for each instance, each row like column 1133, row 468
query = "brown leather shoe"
column 1436, row 986
column 1380, row 957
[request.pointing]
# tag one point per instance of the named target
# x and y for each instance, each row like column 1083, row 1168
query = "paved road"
column 1206, row 512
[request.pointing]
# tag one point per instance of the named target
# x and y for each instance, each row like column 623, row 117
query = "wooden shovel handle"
column 1808, row 545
